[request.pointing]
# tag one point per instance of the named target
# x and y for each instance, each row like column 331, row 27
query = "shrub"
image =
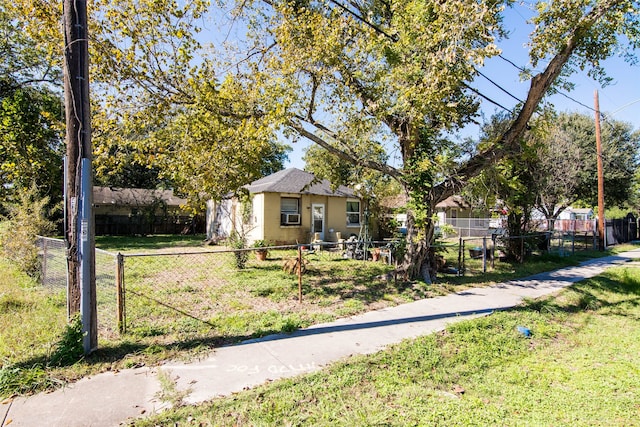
column 69, row 348
column 239, row 241
column 27, row 217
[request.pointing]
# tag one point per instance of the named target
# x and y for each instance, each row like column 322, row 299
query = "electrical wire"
column 477, row 92
column 499, row 87
column 393, row 37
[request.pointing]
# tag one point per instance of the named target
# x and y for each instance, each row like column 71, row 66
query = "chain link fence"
column 476, row 255
column 187, row 292
column 52, row 255
column 191, row 293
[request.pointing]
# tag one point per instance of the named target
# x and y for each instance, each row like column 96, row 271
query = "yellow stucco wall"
column 266, row 218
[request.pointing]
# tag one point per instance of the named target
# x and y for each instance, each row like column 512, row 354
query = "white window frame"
column 359, row 213
column 283, row 212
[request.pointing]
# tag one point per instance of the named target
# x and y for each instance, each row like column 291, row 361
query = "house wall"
column 129, row 220
column 220, row 218
column 118, row 210
column 270, row 229
column 265, row 224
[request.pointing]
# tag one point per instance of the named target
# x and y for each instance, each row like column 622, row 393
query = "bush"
column 27, row 218
column 239, row 241
column 69, row 348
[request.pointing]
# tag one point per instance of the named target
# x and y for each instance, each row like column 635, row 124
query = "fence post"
column 43, row 278
column 493, row 250
column 484, row 254
column 461, row 257
column 120, row 294
column 299, row 273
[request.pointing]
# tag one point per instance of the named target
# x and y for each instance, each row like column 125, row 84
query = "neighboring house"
column 454, row 211
column 576, row 220
column 582, row 214
column 126, row 211
column 286, row 207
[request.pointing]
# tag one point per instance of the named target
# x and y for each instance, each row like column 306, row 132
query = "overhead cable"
column 393, row 37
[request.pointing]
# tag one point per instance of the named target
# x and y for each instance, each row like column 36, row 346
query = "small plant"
column 27, row 218
column 169, row 390
column 261, row 244
column 69, row 349
column 239, row 242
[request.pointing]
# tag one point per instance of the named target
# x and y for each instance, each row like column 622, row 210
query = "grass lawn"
column 149, row 243
column 580, row 367
column 259, row 300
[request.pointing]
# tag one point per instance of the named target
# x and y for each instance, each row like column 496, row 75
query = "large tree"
column 567, row 171
column 31, row 125
column 401, row 71
column 394, row 72
column 31, row 146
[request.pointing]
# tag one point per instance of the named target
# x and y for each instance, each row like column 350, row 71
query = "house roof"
column 453, row 202
column 400, row 200
column 580, row 210
column 297, row 181
column 134, row 197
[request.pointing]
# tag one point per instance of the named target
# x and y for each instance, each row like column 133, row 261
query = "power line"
column 477, row 92
column 523, row 70
column 393, row 37
column 512, row 63
column 500, row 87
column 576, row 101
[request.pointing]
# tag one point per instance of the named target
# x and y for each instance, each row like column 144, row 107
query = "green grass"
column 148, row 243
column 580, row 367
column 183, row 310
column 31, row 320
column 231, row 304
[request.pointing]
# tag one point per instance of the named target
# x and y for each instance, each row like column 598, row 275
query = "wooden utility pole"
column 79, row 224
column 601, row 221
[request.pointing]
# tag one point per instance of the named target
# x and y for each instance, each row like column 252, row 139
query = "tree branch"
column 381, row 167
column 540, row 84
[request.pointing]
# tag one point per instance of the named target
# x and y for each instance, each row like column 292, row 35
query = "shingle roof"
column 401, row 200
column 134, row 197
column 296, row 181
column 453, row 202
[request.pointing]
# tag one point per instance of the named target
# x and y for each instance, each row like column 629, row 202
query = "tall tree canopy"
column 557, row 165
column 31, row 146
column 399, row 72
column 31, row 124
column 341, row 74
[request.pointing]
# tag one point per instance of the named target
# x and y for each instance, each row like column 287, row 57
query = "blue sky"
column 619, row 100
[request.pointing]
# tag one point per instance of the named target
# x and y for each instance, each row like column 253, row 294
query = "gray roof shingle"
column 134, row 197
column 296, row 181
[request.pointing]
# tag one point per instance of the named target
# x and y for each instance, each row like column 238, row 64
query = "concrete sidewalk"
column 110, row 399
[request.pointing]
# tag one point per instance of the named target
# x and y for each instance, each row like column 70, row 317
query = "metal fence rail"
column 53, row 276
column 185, row 292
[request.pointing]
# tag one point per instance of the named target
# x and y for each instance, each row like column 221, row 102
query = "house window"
column 353, row 213
column 289, row 211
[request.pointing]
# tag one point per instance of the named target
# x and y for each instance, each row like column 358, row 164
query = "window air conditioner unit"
column 292, row 219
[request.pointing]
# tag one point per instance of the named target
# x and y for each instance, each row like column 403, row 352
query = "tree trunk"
column 419, row 260
column 514, row 244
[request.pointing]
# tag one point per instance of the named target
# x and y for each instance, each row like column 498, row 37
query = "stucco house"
column 286, row 207
column 454, row 211
column 126, row 211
